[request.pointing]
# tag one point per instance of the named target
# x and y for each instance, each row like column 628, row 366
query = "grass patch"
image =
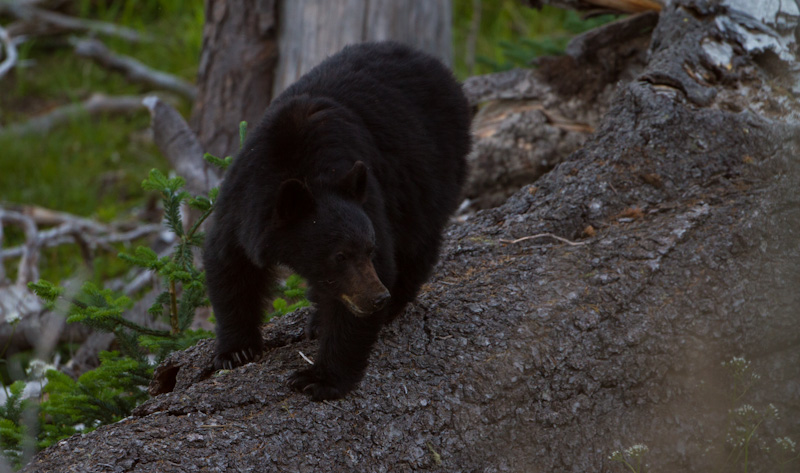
column 92, row 167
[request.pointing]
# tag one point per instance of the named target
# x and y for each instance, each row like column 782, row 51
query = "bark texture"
column 236, row 70
column 540, row 356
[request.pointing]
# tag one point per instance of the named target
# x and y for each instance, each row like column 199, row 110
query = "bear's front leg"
column 236, row 288
column 345, row 342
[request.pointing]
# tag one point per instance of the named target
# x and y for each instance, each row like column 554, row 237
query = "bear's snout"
column 364, row 305
column 380, row 301
column 362, row 291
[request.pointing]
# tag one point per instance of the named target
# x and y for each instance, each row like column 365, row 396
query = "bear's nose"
column 381, row 300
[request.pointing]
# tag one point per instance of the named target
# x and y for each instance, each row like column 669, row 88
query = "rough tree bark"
column 234, row 79
column 541, row 356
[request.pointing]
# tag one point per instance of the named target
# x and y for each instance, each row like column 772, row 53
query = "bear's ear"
column 354, row 184
column 294, row 201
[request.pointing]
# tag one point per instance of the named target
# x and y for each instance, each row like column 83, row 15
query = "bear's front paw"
column 307, row 381
column 231, row 359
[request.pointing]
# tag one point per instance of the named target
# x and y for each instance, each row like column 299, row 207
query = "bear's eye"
column 340, row 257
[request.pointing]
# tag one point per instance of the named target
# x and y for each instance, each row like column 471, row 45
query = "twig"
column 11, row 52
column 542, row 235
column 173, row 307
column 303, row 356
column 94, row 105
column 133, row 70
column 35, row 21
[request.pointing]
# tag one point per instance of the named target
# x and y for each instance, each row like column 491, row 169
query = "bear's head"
column 329, row 239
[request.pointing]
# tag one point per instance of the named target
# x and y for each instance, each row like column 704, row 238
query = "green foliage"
column 13, row 428
column 511, row 35
column 100, row 396
column 90, row 166
column 111, row 391
column 745, row 420
column 293, row 292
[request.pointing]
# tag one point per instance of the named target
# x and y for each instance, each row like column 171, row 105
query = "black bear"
column 349, row 180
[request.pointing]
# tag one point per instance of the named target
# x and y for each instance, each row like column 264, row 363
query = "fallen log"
column 542, row 356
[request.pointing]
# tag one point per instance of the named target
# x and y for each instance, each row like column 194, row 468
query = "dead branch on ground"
column 95, row 105
column 133, row 70
column 87, row 234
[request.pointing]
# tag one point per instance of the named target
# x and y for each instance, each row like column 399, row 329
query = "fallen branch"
column 10, row 52
column 18, row 303
column 133, row 70
column 87, row 234
column 71, row 233
column 37, row 22
column 178, row 143
column 95, row 105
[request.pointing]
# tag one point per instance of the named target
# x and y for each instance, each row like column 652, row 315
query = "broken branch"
column 95, row 105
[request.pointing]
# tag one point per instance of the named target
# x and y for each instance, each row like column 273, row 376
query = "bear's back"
column 404, row 96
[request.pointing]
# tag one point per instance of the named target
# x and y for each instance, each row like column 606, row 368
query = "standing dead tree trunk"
column 541, row 356
column 309, row 35
column 236, row 70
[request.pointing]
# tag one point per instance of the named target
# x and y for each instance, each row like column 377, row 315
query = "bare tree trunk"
column 236, row 70
column 311, row 30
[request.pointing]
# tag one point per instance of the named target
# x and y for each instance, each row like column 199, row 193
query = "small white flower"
column 37, row 369
column 786, row 444
column 745, row 410
column 637, row 450
column 13, row 317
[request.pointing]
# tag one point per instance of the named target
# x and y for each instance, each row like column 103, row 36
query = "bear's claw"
column 308, row 382
column 233, row 359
